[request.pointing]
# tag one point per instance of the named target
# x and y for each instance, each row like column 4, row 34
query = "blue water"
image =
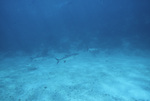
column 110, row 37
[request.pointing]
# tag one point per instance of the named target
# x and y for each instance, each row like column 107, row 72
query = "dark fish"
column 65, row 57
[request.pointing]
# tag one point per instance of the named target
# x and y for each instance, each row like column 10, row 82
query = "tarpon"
column 65, row 57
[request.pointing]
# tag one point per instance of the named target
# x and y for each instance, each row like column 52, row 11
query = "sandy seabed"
column 85, row 77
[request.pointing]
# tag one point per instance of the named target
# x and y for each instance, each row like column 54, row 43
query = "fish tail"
column 57, row 60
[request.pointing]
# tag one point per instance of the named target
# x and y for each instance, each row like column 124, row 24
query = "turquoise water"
column 85, row 77
column 74, row 50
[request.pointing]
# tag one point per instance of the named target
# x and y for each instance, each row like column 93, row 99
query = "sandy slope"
column 85, row 77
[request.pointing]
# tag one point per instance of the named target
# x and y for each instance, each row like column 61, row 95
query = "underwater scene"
column 74, row 50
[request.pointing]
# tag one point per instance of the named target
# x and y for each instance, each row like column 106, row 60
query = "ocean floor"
column 84, row 77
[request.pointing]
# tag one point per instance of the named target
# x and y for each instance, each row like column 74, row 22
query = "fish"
column 65, row 57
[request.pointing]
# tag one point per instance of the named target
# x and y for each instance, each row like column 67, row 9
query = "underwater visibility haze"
column 74, row 50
